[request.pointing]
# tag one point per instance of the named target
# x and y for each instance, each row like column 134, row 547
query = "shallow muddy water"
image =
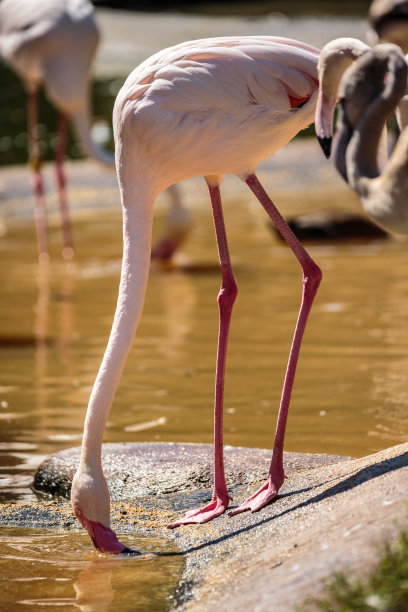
column 43, row 569
column 351, row 386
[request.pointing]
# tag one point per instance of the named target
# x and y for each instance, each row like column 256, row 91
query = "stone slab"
column 153, row 468
column 330, row 516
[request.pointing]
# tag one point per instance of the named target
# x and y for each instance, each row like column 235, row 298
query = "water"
column 43, row 569
column 350, row 393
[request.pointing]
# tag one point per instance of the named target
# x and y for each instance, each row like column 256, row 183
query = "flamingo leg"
column 226, row 299
column 37, row 182
column 68, row 250
column 311, row 279
column 177, row 226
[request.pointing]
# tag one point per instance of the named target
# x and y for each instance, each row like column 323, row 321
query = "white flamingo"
column 370, row 91
column 207, row 107
column 53, row 43
column 334, row 60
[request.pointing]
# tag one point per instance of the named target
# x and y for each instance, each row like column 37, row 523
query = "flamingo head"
column 103, row 538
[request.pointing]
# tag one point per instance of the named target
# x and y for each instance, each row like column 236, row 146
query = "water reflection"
column 46, row 568
column 61, row 298
column 52, row 325
column 93, row 586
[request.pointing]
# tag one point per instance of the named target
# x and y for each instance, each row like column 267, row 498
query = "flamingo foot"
column 217, row 506
column 103, row 538
column 262, row 497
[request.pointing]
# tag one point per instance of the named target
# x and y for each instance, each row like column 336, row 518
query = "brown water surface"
column 43, row 569
column 351, row 387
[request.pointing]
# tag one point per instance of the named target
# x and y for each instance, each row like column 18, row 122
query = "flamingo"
column 370, row 91
column 389, row 23
column 335, row 58
column 206, row 107
column 53, row 43
column 388, row 20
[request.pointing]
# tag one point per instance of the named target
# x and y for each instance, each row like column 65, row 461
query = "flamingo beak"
column 103, row 538
column 324, row 122
column 325, row 143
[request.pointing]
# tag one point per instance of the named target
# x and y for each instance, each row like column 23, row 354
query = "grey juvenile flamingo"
column 388, row 20
column 369, row 93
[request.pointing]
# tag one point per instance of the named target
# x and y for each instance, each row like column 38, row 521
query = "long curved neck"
column 384, row 198
column 137, row 229
column 81, row 122
column 362, row 152
column 334, row 60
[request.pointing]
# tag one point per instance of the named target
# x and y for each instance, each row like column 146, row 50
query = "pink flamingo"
column 53, row 42
column 207, row 107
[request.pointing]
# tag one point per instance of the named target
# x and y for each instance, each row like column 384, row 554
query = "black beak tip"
column 129, row 551
column 325, row 143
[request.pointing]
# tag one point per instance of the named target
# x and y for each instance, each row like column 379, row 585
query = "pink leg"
column 226, row 299
column 177, row 227
column 311, row 279
column 37, row 182
column 68, row 250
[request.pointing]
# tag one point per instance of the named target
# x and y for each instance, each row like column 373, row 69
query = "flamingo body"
column 206, row 107
column 223, row 92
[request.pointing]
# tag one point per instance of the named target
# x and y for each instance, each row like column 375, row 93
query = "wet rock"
column 142, row 469
column 332, row 514
column 332, row 518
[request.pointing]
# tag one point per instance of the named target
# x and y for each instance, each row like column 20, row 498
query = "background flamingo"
column 53, row 43
column 370, row 91
column 209, row 107
column 334, row 60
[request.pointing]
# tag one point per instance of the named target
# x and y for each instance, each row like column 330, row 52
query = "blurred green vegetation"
column 385, row 589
